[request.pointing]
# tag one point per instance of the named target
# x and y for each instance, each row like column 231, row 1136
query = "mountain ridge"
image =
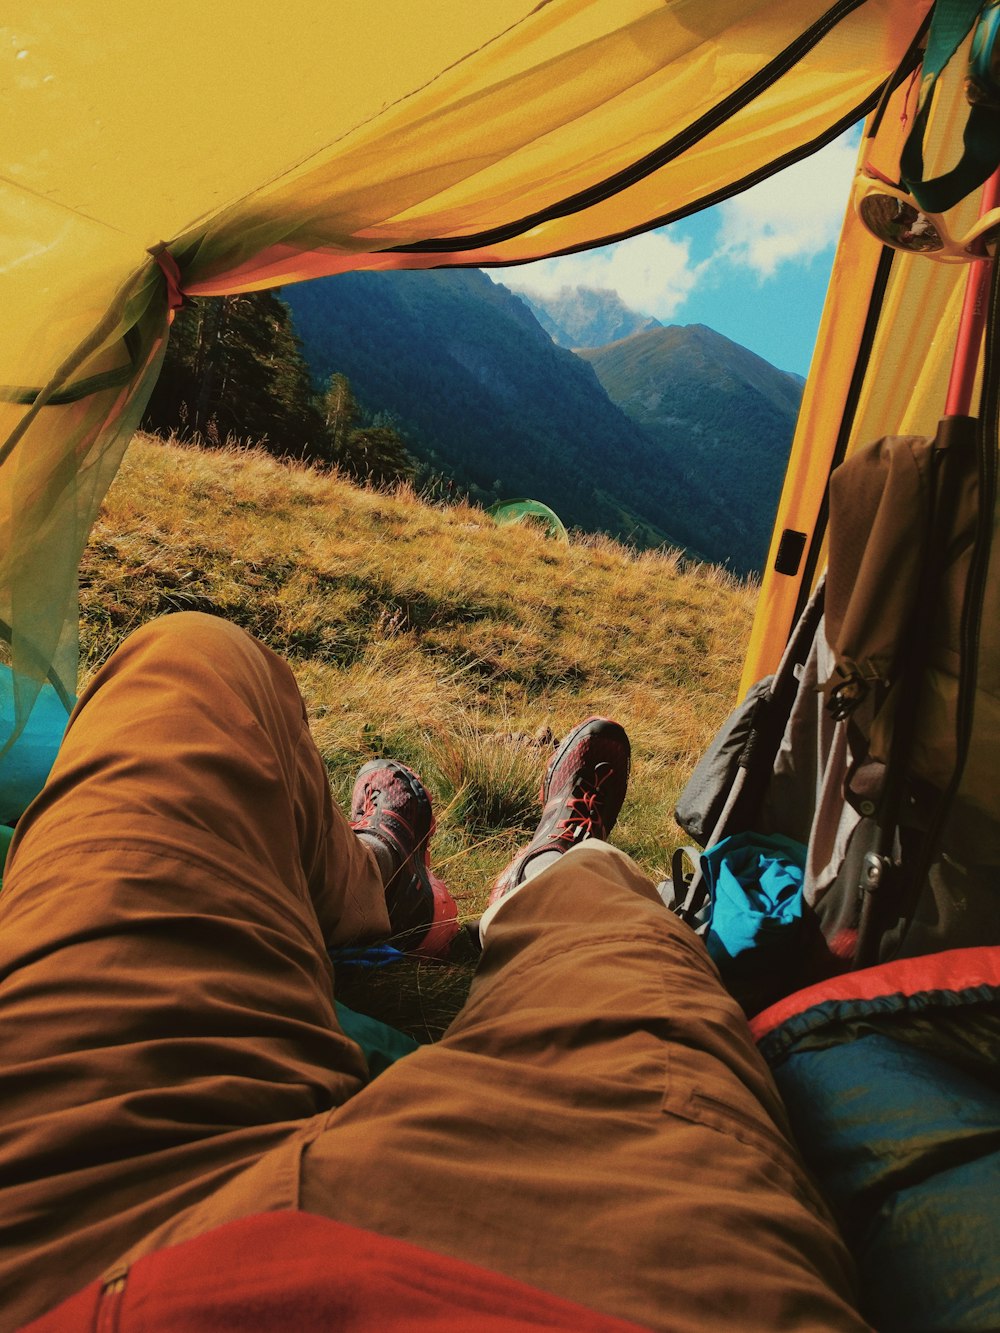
column 720, row 413
column 485, row 396
column 585, row 316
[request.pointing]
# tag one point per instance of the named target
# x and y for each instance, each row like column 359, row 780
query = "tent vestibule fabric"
column 880, row 366
column 267, row 151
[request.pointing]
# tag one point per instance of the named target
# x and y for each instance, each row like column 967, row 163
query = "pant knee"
column 194, row 632
column 188, row 653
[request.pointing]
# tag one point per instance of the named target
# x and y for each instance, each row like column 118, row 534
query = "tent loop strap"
column 107, row 379
column 176, row 295
column 116, row 378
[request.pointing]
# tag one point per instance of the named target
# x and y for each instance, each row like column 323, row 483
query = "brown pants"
column 596, row 1122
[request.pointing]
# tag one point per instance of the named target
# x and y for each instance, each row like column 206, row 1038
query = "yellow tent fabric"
column 267, row 148
column 880, row 365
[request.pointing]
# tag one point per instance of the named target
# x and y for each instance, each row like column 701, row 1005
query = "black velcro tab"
column 790, row 550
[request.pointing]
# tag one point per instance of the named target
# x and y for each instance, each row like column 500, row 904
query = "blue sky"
column 754, row 268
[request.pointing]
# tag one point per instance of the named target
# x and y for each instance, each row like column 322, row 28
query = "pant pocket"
column 714, row 1099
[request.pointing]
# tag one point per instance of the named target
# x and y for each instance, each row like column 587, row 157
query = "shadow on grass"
column 417, row 996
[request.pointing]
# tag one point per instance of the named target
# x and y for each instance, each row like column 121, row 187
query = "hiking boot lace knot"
column 584, row 818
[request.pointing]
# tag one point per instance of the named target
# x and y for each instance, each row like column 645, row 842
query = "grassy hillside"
column 429, row 635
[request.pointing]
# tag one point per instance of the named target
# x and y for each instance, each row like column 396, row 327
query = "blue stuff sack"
column 755, row 884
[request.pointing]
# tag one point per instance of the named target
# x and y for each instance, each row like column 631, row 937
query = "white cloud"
column 793, row 216
column 789, row 218
column 653, row 273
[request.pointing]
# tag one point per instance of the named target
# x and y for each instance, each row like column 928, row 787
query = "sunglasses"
column 894, row 218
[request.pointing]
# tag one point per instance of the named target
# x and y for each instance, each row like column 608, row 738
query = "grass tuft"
column 490, row 780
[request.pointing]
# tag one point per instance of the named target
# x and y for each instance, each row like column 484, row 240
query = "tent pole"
column 973, row 320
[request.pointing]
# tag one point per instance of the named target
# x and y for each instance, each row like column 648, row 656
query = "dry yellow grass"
column 429, row 634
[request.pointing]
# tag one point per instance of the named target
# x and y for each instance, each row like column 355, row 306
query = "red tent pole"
column 973, row 320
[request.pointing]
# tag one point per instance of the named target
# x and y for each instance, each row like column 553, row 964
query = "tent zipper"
column 659, row 157
column 808, row 567
column 911, row 60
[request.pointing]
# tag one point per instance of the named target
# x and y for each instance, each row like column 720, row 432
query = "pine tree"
column 340, row 413
column 234, row 369
column 370, row 450
column 378, row 455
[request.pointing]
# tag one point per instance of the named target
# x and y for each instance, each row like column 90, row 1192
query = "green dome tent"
column 516, row 511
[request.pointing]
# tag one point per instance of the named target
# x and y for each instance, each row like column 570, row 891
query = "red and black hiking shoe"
column 581, row 795
column 391, row 805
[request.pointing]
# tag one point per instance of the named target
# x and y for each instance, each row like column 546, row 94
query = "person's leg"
column 596, row 1122
column 166, row 1003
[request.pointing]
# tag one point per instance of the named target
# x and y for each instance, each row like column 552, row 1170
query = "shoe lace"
column 584, row 807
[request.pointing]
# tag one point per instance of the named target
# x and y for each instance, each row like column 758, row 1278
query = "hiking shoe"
column 581, row 795
column 390, row 804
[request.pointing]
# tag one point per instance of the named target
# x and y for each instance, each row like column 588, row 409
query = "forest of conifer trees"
column 234, row 371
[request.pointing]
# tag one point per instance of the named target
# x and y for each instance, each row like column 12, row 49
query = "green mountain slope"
column 723, row 416
column 483, row 395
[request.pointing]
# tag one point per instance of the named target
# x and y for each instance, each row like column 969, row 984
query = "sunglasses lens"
column 899, row 224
